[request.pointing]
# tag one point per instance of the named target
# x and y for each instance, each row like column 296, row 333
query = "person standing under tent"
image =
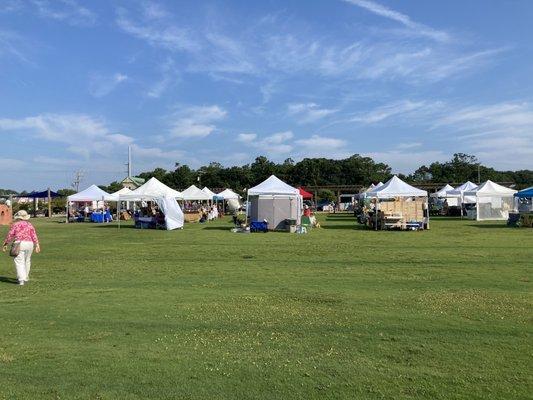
column 23, row 232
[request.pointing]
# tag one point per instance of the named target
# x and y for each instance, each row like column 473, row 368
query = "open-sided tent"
column 164, row 196
column 493, row 201
column 228, row 194
column 395, row 187
column 459, row 193
column 151, row 190
column 524, row 200
column 39, row 195
column 209, row 192
column 305, row 194
column 400, row 205
column 275, row 201
column 92, row 193
column 124, row 190
column 442, row 193
column 192, row 193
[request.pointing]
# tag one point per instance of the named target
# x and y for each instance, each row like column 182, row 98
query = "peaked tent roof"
column 209, row 192
column 305, row 194
column 151, row 190
column 528, row 192
column 228, row 194
column 465, row 187
column 193, row 193
column 490, row 188
column 124, row 190
column 395, row 187
column 272, row 186
column 92, row 193
column 443, row 191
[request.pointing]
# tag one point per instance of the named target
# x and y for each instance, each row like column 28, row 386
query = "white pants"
column 23, row 261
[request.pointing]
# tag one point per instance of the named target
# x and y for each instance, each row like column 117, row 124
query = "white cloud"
column 197, row 121
column 11, row 165
column 69, row 11
column 83, row 134
column 501, row 134
column 12, row 45
column 272, row 145
column 246, row 137
column 308, row 112
column 157, row 34
column 403, row 19
column 399, row 108
column 102, row 85
column 321, row 142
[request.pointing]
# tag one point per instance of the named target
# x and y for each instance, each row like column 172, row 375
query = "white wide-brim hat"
column 23, row 215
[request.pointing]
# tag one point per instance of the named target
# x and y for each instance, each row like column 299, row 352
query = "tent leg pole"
column 118, row 213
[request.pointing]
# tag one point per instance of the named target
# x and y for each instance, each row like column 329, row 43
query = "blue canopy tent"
column 524, row 200
column 525, row 193
column 45, row 194
column 39, row 195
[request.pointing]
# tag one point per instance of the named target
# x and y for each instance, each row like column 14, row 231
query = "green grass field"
column 203, row 313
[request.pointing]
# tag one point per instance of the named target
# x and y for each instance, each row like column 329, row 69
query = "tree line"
column 354, row 170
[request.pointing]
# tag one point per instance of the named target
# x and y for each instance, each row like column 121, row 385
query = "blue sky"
column 405, row 82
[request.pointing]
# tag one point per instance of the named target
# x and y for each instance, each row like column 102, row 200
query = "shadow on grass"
column 5, row 279
column 353, row 227
column 114, row 226
column 217, row 228
column 490, row 226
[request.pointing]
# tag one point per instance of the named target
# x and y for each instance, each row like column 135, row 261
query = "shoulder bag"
column 15, row 249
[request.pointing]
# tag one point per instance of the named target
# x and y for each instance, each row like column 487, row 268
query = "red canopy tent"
column 304, row 194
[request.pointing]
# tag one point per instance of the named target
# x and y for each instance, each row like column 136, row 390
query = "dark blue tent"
column 525, row 193
column 39, row 195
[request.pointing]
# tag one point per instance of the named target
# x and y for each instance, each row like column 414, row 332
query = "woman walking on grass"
column 23, row 232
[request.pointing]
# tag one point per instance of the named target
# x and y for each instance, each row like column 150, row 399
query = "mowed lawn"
column 203, row 313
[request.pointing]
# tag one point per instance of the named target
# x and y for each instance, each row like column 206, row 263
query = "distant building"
column 132, row 182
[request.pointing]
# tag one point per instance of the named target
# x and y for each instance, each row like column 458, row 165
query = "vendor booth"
column 493, row 201
column 230, row 198
column 524, row 200
column 523, row 215
column 443, row 192
column 166, row 199
column 192, row 193
column 398, row 205
column 97, row 198
column 305, row 194
column 209, row 192
column 275, row 202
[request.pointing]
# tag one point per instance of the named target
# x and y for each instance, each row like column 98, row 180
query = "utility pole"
column 478, row 174
column 129, row 162
column 78, row 176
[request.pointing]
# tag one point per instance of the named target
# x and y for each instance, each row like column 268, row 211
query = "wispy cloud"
column 69, row 11
column 196, row 122
column 403, row 19
column 12, row 46
column 101, row 85
column 308, row 112
column 272, row 145
column 82, row 134
column 399, row 108
column 156, row 33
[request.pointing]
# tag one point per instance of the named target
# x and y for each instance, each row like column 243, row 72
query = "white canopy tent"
column 151, row 190
column 164, row 196
column 209, row 192
column 395, row 187
column 442, row 193
column 459, row 193
column 228, row 194
column 92, row 193
column 192, row 193
column 493, row 201
column 404, row 204
column 275, row 201
column 124, row 190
